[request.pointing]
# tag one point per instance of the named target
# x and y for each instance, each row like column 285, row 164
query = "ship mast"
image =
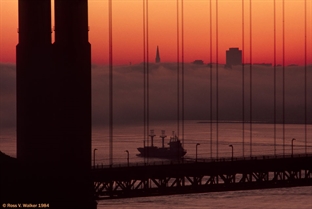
column 152, row 135
column 163, row 136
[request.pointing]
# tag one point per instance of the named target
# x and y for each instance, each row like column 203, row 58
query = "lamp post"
column 232, row 150
column 292, row 147
column 196, row 150
column 127, row 157
column 94, row 157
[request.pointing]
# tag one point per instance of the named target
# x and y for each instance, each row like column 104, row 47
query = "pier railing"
column 203, row 175
column 199, row 160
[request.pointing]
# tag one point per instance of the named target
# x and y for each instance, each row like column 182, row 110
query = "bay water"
column 258, row 140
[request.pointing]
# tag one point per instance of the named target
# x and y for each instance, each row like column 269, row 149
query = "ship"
column 174, row 151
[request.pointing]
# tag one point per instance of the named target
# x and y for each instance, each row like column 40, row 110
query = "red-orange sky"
column 128, row 30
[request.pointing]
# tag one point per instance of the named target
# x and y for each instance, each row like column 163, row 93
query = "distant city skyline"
column 234, row 56
column 157, row 59
column 128, row 31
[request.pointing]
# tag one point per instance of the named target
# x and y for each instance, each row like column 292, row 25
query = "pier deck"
column 163, row 178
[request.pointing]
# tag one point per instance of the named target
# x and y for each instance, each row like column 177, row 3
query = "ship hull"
column 155, row 152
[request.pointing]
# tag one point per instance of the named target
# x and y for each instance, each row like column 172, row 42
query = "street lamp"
column 127, row 157
column 232, row 150
column 94, row 157
column 196, row 150
column 292, row 147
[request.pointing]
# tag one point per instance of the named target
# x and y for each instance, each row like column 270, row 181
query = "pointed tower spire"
column 157, row 59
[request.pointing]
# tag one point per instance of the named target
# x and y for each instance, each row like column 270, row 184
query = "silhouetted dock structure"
column 164, row 178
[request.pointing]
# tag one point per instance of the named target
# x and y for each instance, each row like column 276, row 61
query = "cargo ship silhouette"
column 174, row 151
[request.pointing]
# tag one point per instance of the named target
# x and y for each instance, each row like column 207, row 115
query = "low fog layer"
column 128, row 93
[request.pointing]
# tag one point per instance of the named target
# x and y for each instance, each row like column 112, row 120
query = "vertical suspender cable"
column 217, row 80
column 182, row 72
column 147, row 74
column 243, row 77
column 274, row 77
column 178, row 72
column 283, row 12
column 144, row 76
column 305, row 80
column 110, row 84
column 250, row 114
column 211, row 80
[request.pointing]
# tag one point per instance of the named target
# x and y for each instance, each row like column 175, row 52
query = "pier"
column 209, row 175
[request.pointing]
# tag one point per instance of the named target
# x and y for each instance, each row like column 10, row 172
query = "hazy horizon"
column 128, row 93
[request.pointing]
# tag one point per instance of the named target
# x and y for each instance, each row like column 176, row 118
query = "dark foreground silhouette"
column 26, row 184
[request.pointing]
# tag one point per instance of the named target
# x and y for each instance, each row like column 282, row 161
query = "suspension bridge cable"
column 211, row 95
column 182, row 5
column 305, row 79
column 147, row 75
column 274, row 76
column 250, row 110
column 178, row 72
column 283, row 40
column 217, row 82
column 144, row 75
column 110, row 83
column 243, row 78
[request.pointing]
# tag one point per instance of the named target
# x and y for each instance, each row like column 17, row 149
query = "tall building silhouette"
column 157, row 59
column 233, row 56
column 54, row 101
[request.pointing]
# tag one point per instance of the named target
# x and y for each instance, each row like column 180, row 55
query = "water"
column 283, row 198
column 129, row 137
column 229, row 133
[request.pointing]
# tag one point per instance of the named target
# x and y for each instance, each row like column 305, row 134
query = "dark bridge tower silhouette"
column 54, row 103
column 72, row 59
column 72, row 64
column 33, row 65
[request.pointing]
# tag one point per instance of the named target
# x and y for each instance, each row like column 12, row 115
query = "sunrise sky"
column 128, row 30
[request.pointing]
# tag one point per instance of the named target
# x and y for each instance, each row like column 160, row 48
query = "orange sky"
column 128, row 30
